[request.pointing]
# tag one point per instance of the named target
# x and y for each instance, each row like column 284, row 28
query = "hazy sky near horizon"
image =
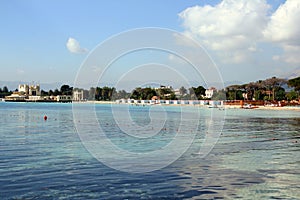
column 47, row 41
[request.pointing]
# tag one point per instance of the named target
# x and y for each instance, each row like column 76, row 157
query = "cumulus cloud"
column 284, row 30
column 238, row 17
column 230, row 25
column 74, row 46
column 237, row 27
column 283, row 26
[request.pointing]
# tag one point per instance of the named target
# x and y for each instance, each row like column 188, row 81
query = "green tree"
column 273, row 84
column 292, row 95
column 5, row 89
column 51, row 93
column 165, row 93
column 199, row 92
column 143, row 93
column 182, row 91
column 136, row 93
column 280, row 94
column 231, row 92
column 44, row 93
column 295, row 83
column 219, row 95
column 235, row 92
column 56, row 92
column 148, row 93
column 107, row 93
column 98, row 94
column 66, row 90
column 252, row 89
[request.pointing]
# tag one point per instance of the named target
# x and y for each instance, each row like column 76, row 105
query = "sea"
column 109, row 151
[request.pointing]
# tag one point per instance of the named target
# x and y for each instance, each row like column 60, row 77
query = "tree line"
column 167, row 93
column 4, row 92
column 268, row 89
column 94, row 93
column 271, row 89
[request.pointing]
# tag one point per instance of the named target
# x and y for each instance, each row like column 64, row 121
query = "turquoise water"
column 256, row 156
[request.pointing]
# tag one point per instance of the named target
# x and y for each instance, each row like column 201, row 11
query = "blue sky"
column 34, row 34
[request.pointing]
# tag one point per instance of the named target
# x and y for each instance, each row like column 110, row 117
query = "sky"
column 48, row 41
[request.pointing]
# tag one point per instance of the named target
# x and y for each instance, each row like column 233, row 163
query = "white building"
column 78, row 95
column 64, row 98
column 15, row 97
column 34, row 90
column 34, row 98
column 164, row 87
column 210, row 92
column 23, row 89
column 177, row 93
column 29, row 90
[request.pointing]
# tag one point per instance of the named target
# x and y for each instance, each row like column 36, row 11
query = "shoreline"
column 202, row 106
column 294, row 108
column 265, row 107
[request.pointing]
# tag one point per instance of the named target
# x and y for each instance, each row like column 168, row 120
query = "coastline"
column 265, row 107
column 202, row 106
column 294, row 108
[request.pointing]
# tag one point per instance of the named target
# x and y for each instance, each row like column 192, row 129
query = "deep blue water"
column 256, row 157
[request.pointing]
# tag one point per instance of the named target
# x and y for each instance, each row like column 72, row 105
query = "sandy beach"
column 297, row 108
column 265, row 107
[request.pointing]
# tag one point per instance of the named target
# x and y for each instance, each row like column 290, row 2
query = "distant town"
column 273, row 91
column 33, row 93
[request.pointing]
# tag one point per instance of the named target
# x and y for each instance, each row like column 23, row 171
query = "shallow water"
column 256, row 156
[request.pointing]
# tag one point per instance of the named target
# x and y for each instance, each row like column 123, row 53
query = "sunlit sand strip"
column 204, row 106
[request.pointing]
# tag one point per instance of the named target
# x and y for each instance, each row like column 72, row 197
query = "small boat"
column 249, row 106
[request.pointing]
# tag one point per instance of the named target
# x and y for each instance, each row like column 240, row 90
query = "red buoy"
column 45, row 117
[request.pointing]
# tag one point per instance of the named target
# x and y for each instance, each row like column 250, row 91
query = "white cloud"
column 283, row 25
column 232, row 25
column 74, row 46
column 234, row 29
column 284, row 30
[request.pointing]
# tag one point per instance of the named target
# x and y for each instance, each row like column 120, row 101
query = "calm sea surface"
column 256, row 157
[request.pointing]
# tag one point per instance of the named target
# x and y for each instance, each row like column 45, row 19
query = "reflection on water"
column 256, row 157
